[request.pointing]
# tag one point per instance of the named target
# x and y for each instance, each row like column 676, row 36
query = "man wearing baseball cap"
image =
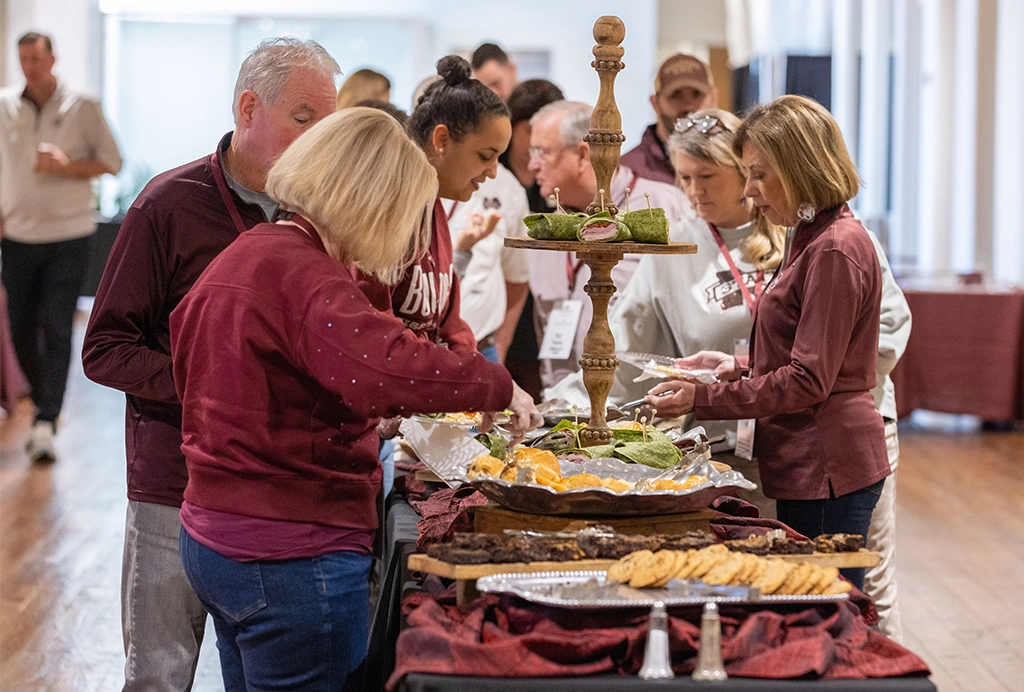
column 684, row 84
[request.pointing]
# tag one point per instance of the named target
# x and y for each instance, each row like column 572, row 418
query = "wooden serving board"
column 604, row 248
column 491, row 518
column 424, row 563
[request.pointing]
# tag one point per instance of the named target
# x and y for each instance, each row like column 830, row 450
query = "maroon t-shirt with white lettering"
column 427, row 297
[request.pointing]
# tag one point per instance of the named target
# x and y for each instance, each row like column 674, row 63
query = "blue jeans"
column 490, row 353
column 285, row 624
column 850, row 513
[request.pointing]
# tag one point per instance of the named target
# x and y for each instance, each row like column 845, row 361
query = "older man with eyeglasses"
column 560, row 159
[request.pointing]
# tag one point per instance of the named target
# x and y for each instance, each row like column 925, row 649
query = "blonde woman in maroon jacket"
column 819, row 440
column 284, row 369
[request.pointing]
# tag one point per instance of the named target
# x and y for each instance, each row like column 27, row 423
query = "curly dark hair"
column 456, row 101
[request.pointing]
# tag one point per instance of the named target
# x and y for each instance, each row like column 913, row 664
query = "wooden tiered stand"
column 605, row 139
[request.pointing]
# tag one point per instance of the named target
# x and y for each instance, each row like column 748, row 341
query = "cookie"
column 651, row 571
column 623, row 569
column 707, row 558
column 725, row 571
column 774, row 576
column 828, row 575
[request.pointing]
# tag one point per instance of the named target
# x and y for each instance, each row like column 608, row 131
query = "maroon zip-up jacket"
column 284, row 369
column 649, row 160
column 178, row 224
column 814, row 352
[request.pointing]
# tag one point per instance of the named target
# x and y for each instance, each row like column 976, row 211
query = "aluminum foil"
column 541, row 499
column 574, row 589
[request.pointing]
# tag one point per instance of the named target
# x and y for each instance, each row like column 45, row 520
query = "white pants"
column 162, row 620
column 880, row 581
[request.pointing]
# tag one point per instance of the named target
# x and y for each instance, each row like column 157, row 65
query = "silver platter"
column 540, row 499
column 592, row 590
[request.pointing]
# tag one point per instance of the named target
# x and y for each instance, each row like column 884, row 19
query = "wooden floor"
column 960, row 516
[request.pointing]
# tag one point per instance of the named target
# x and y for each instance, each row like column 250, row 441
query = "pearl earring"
column 440, row 150
column 806, row 212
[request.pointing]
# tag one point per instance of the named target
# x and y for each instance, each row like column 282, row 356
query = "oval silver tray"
column 540, row 499
column 592, row 590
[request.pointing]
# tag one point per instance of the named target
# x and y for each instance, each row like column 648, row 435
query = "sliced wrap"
column 602, row 228
column 647, row 225
column 553, row 226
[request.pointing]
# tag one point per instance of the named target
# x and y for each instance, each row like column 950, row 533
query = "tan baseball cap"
column 682, row 70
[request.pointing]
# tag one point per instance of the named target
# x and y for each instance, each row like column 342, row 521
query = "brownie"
column 458, row 556
column 839, row 542
column 787, row 546
column 755, row 545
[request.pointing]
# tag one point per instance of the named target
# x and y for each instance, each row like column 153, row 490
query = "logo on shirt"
column 426, row 299
column 726, row 292
column 492, row 203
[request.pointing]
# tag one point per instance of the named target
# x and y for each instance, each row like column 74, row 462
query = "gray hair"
column 268, row 66
column 575, row 124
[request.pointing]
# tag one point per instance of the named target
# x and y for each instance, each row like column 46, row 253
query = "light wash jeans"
column 162, row 620
column 298, row 624
column 880, row 580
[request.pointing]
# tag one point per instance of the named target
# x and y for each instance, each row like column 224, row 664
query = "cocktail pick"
column 643, row 423
column 647, row 195
column 558, row 204
column 601, row 192
column 627, row 200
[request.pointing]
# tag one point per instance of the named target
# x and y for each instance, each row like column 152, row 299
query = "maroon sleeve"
column 380, row 368
column 129, row 304
column 833, row 300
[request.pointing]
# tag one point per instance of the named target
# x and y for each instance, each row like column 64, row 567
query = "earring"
column 440, row 150
column 806, row 212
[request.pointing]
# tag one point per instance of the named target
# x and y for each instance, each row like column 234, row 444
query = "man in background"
column 180, row 222
column 493, row 68
column 53, row 142
column 684, row 84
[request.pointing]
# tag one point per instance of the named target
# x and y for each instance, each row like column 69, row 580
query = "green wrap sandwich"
column 647, row 225
column 603, row 228
column 553, row 226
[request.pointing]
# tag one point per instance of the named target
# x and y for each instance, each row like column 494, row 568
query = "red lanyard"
column 751, row 300
column 451, row 212
column 222, row 185
column 571, row 270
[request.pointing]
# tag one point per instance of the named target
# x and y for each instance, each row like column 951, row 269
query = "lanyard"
column 571, row 270
column 222, row 185
column 751, row 300
column 451, row 212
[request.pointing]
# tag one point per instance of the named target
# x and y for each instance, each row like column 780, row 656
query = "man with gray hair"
column 180, row 222
column 560, row 159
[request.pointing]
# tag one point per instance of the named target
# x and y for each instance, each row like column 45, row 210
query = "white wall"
column 73, row 26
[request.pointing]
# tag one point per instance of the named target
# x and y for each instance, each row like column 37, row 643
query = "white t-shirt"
column 482, row 289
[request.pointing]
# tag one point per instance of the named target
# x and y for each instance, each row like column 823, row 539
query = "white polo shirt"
column 482, row 289
column 39, row 207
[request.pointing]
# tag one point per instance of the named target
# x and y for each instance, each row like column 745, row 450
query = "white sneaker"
column 40, row 443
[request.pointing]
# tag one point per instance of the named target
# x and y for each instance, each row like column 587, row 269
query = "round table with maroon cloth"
column 965, row 354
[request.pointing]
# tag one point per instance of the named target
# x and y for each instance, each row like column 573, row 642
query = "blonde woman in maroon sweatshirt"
column 284, row 369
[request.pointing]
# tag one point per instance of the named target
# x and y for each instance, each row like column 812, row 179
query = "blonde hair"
column 801, row 141
column 367, row 188
column 763, row 248
column 363, row 85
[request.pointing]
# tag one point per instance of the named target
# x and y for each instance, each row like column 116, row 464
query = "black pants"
column 43, row 282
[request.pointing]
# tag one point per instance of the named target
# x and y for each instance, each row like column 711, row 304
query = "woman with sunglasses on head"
column 819, row 440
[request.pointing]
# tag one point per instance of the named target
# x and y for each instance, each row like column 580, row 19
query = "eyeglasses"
column 545, row 154
column 703, row 125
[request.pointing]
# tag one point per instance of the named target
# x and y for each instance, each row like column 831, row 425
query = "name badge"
column 744, row 428
column 560, row 334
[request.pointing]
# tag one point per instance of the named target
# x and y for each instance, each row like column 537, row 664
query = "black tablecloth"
column 435, row 683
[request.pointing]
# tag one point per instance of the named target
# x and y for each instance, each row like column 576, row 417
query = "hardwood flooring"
column 960, row 556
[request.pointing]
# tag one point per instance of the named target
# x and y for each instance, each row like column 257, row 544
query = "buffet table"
column 965, row 354
column 398, row 582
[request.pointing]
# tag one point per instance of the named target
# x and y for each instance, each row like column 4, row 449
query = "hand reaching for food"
column 524, row 416
column 672, row 399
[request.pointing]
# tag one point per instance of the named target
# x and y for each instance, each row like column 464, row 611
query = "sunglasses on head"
column 703, row 125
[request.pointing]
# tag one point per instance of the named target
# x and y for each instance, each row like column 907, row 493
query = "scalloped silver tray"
column 592, row 590
column 540, row 499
